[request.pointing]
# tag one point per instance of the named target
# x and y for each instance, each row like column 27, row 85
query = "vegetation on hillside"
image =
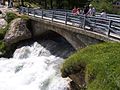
column 55, row 4
column 107, row 5
column 101, row 64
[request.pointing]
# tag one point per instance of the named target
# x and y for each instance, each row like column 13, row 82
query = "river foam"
column 32, row 68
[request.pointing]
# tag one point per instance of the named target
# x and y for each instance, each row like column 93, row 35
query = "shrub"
column 10, row 16
column 101, row 63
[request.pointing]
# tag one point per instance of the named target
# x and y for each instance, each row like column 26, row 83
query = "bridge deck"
column 109, row 27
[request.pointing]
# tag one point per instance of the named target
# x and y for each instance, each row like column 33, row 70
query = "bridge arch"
column 61, row 37
column 74, row 37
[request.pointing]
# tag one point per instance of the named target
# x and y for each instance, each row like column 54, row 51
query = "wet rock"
column 17, row 31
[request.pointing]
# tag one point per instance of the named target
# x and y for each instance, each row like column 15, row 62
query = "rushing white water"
column 32, row 68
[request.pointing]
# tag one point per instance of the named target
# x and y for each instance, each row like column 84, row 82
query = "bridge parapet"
column 79, row 31
column 105, row 26
column 77, row 37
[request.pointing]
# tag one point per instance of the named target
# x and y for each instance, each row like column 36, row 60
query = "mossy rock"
column 25, row 17
column 101, row 63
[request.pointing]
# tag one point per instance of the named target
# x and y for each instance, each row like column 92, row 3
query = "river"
column 35, row 67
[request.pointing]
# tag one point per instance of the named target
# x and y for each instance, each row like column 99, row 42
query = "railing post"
column 80, row 24
column 20, row 10
column 109, row 26
column 66, row 14
column 84, row 22
column 53, row 15
column 34, row 12
column 42, row 14
column 23, row 10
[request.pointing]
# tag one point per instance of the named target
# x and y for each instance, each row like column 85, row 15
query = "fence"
column 107, row 26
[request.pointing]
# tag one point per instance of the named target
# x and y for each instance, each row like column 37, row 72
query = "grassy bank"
column 101, row 63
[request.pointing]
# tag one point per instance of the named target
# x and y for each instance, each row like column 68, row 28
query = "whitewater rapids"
column 33, row 67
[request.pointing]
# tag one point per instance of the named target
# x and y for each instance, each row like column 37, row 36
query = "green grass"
column 101, row 63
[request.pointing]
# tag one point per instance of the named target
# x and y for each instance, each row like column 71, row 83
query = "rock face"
column 78, row 81
column 17, row 31
column 78, row 78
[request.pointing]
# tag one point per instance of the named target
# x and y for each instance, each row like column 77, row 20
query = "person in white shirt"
column 103, row 14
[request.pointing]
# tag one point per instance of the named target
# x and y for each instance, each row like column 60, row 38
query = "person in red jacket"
column 74, row 11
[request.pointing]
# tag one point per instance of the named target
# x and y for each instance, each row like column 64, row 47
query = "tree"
column 51, row 4
column 45, row 4
column 103, row 4
column 64, row 4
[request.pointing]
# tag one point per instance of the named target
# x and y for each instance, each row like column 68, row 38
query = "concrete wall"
column 77, row 37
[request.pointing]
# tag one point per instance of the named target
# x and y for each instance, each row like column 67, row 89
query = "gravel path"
column 5, row 9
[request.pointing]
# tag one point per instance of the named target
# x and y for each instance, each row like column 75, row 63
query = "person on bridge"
column 85, row 10
column 78, row 11
column 103, row 14
column 74, row 11
column 91, row 11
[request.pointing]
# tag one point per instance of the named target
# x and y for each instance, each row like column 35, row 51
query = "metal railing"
column 106, row 26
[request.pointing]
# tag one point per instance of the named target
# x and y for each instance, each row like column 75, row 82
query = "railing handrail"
column 69, row 11
column 104, row 24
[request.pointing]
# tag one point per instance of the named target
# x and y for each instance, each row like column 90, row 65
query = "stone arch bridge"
column 77, row 37
column 79, row 31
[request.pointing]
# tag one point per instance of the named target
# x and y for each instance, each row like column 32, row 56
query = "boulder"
column 3, row 23
column 78, row 81
column 17, row 31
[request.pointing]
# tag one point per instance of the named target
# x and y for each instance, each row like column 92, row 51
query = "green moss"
column 3, row 32
column 2, row 47
column 28, row 21
column 101, row 63
column 10, row 16
column 25, row 17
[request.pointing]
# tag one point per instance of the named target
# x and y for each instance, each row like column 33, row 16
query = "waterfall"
column 34, row 67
